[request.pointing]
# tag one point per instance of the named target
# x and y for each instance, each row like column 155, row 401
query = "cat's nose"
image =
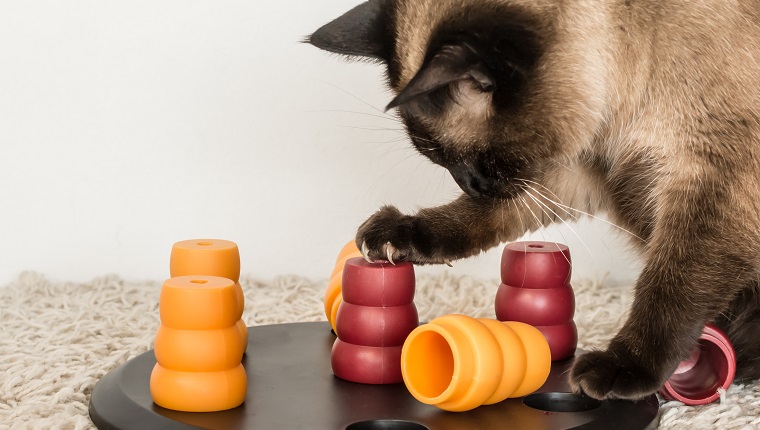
column 472, row 182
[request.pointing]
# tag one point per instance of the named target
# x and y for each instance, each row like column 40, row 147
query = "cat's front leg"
column 693, row 272
column 462, row 228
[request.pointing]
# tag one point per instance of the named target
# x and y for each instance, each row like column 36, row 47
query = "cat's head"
column 493, row 90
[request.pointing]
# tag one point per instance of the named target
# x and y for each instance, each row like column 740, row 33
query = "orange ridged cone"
column 458, row 363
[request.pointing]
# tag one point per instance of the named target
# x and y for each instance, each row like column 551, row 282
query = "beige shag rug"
column 58, row 339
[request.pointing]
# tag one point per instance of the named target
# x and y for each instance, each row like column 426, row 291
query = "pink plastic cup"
column 366, row 364
column 378, row 284
column 376, row 326
column 712, row 366
column 536, row 290
column 535, row 265
column 376, row 316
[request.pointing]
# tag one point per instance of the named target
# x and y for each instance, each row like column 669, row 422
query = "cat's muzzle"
column 474, row 183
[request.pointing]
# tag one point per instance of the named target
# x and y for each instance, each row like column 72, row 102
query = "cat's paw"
column 606, row 375
column 392, row 236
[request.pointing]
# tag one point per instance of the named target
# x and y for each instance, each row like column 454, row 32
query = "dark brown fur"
column 546, row 109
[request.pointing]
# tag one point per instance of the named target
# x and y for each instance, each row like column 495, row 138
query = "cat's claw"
column 448, row 263
column 365, row 252
column 389, row 250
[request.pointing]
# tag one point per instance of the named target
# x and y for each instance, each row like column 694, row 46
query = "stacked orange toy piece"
column 201, row 341
column 211, row 257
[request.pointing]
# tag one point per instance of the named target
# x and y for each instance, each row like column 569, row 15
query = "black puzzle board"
column 291, row 386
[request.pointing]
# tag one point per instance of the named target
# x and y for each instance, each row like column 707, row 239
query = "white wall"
column 127, row 126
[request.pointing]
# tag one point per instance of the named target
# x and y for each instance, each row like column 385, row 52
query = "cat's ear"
column 359, row 32
column 451, row 63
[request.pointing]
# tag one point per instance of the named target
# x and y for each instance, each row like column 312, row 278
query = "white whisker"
column 523, row 226
column 566, row 208
column 531, row 188
column 395, row 120
column 528, row 181
column 371, row 128
column 539, row 224
column 385, row 142
column 414, row 136
column 355, row 97
column 572, row 230
column 391, row 169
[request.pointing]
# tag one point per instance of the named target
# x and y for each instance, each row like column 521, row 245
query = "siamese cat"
column 645, row 110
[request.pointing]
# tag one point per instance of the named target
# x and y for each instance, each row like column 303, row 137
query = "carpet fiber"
column 58, row 339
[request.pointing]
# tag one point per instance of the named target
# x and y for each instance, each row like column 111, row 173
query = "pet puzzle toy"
column 294, row 388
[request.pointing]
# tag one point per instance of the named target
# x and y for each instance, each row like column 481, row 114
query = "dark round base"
column 291, row 386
